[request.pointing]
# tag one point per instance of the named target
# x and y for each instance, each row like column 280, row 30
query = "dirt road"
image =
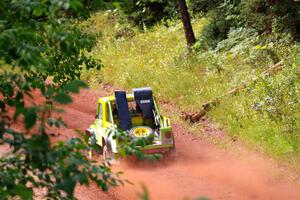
column 198, row 168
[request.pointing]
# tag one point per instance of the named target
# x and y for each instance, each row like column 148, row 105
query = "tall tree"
column 185, row 17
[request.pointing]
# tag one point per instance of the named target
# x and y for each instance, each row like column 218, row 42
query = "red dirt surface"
column 198, row 169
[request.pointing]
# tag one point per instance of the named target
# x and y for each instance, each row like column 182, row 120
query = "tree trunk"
column 185, row 17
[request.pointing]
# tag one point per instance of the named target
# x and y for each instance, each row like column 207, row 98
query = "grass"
column 158, row 58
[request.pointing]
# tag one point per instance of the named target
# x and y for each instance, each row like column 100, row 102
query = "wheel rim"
column 141, row 132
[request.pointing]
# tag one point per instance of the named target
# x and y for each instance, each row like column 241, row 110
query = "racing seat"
column 123, row 110
column 144, row 101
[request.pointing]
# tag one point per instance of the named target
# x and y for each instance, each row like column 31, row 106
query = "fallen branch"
column 197, row 116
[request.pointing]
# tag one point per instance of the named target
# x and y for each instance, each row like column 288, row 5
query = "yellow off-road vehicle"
column 135, row 115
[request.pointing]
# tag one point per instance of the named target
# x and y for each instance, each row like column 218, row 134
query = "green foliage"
column 33, row 36
column 222, row 19
column 30, row 118
column 278, row 99
column 147, row 12
column 239, row 41
column 42, row 53
column 56, row 169
column 203, row 6
column 254, row 14
column 213, row 33
column 62, row 98
column 278, row 16
column 265, row 115
column 260, row 15
column 145, row 194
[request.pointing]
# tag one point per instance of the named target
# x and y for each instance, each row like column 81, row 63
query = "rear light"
column 168, row 135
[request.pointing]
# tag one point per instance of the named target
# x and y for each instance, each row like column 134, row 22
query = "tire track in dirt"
column 198, row 168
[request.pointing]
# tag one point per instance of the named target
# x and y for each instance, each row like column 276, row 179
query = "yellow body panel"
column 103, row 128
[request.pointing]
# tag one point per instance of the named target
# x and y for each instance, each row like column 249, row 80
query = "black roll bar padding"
column 144, row 100
column 123, row 110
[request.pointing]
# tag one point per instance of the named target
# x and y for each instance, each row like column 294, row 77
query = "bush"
column 277, row 97
column 147, row 13
column 222, row 19
column 271, row 16
column 265, row 17
column 238, row 40
column 203, row 6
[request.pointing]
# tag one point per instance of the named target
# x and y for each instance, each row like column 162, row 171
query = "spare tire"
column 143, row 135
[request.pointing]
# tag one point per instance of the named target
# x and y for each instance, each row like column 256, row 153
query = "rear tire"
column 144, row 133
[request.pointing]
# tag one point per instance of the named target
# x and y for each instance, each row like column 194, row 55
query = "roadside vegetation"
column 42, row 51
column 265, row 115
column 47, row 46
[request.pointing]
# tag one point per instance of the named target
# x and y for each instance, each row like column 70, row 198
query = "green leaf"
column 104, row 186
column 62, row 98
column 30, row 118
column 81, row 178
column 75, row 85
column 76, row 4
column 23, row 192
column 51, row 121
column 68, row 186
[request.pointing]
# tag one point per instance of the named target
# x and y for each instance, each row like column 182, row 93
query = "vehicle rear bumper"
column 150, row 149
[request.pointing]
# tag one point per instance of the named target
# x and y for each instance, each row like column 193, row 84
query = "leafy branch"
column 42, row 52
